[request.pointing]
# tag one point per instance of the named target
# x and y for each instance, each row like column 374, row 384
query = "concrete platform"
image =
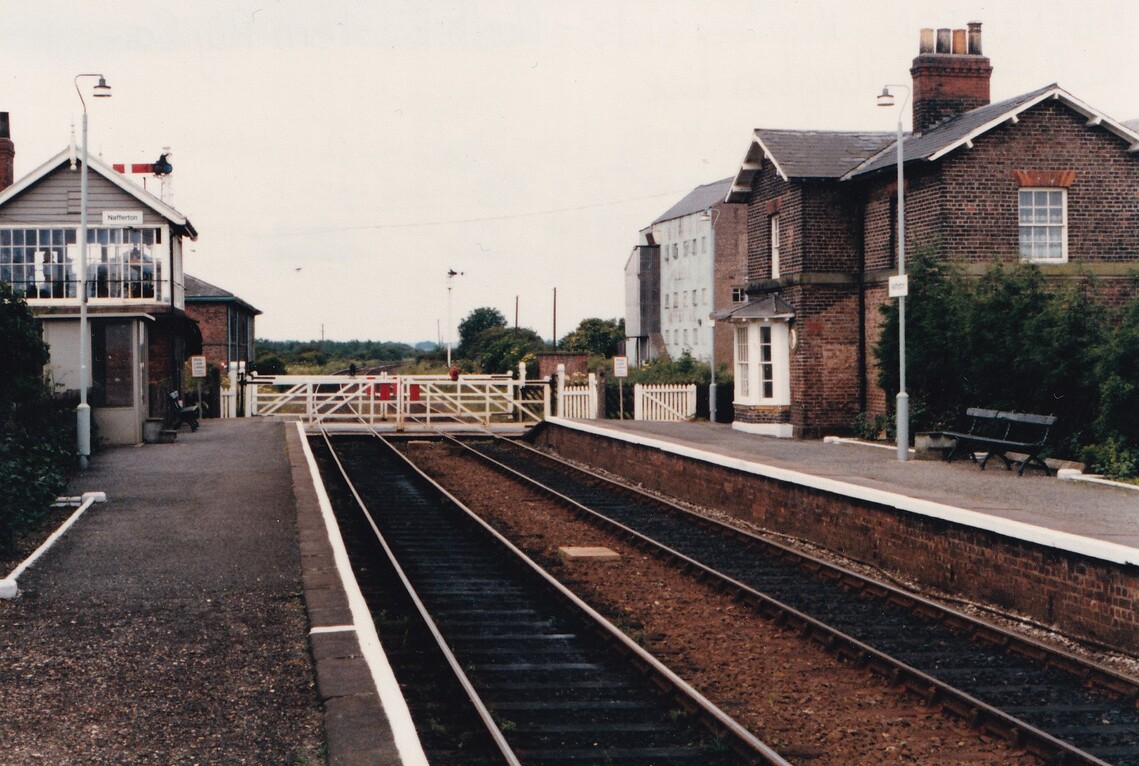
column 213, row 532
column 1090, row 519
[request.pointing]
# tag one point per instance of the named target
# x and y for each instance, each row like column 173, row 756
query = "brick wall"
column 212, row 319
column 731, row 271
column 1081, row 596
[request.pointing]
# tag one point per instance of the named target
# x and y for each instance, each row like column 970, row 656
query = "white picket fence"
column 664, row 401
column 577, row 402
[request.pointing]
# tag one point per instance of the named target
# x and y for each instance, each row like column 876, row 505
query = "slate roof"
column 767, row 307
column 959, row 130
column 847, row 155
column 699, row 199
column 805, row 154
column 201, row 291
column 819, row 153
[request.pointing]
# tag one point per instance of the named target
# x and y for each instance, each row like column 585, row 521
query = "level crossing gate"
column 400, row 402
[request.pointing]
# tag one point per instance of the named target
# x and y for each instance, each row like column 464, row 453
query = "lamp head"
column 706, row 215
column 102, row 89
column 885, row 98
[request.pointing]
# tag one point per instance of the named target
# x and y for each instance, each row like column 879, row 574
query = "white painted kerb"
column 1019, row 530
column 8, row 586
column 391, row 698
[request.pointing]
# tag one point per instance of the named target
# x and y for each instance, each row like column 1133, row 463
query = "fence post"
column 638, row 405
column 561, row 390
column 591, row 402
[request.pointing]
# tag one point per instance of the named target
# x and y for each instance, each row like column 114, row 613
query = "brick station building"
column 225, row 321
column 1040, row 177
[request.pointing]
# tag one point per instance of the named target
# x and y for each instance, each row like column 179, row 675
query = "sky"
column 339, row 158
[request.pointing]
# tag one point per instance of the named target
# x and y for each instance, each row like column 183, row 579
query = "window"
column 775, row 246
column 766, row 365
column 121, row 263
column 112, row 364
column 39, row 263
column 739, row 295
column 666, row 300
column 686, row 337
column 763, row 364
column 704, row 295
column 1043, row 225
column 742, row 387
column 703, row 244
column 685, row 297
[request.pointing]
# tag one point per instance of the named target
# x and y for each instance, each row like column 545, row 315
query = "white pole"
column 83, row 411
column 712, row 322
column 903, row 402
column 902, row 405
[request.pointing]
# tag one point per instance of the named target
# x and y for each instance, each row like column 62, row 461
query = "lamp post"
column 451, row 274
column 902, row 408
column 83, row 411
column 707, row 216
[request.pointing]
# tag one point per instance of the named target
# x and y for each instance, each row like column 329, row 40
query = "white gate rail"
column 402, row 401
column 664, row 401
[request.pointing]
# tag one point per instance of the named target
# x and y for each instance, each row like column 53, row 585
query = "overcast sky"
column 338, row 158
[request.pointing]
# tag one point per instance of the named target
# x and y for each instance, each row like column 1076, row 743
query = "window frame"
column 1029, row 249
column 775, row 241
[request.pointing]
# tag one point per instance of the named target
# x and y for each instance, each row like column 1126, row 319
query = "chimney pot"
column 943, row 40
column 925, row 44
column 959, row 42
column 975, row 38
column 949, row 81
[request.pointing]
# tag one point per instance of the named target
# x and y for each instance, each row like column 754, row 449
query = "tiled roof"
column 700, row 198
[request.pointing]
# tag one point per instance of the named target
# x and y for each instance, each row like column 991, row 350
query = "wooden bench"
column 997, row 433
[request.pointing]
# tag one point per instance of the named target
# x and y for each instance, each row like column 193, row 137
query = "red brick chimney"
column 7, row 153
column 950, row 75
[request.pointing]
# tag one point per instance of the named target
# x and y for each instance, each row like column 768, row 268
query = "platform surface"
column 1095, row 512
column 171, row 623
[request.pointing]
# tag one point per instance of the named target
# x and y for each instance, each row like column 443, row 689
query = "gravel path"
column 168, row 627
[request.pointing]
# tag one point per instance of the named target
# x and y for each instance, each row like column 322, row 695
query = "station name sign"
column 122, row 217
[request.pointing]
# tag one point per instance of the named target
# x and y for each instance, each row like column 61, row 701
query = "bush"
column 35, row 459
column 1111, row 458
column 1010, row 340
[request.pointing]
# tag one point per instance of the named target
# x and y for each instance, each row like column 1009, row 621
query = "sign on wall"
column 122, row 217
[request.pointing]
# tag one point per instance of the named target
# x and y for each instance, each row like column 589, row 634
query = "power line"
column 454, row 221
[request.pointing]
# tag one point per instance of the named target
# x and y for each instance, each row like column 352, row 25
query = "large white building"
column 698, row 231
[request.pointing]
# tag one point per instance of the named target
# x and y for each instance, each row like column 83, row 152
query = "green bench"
column 998, row 433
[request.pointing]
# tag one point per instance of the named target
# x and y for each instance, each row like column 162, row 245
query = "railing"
column 664, row 401
column 402, row 401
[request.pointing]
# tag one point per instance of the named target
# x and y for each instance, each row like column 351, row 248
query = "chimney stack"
column 7, row 153
column 950, row 75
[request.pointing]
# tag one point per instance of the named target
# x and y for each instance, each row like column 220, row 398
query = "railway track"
column 499, row 663
column 1056, row 705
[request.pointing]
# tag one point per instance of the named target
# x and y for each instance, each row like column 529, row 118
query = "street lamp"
column 902, row 408
column 83, row 411
column 707, row 216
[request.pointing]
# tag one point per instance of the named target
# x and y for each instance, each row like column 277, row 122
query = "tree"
column 25, row 353
column 501, row 349
column 600, row 337
column 475, row 323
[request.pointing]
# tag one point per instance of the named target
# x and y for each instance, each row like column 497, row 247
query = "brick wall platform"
column 1081, row 595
